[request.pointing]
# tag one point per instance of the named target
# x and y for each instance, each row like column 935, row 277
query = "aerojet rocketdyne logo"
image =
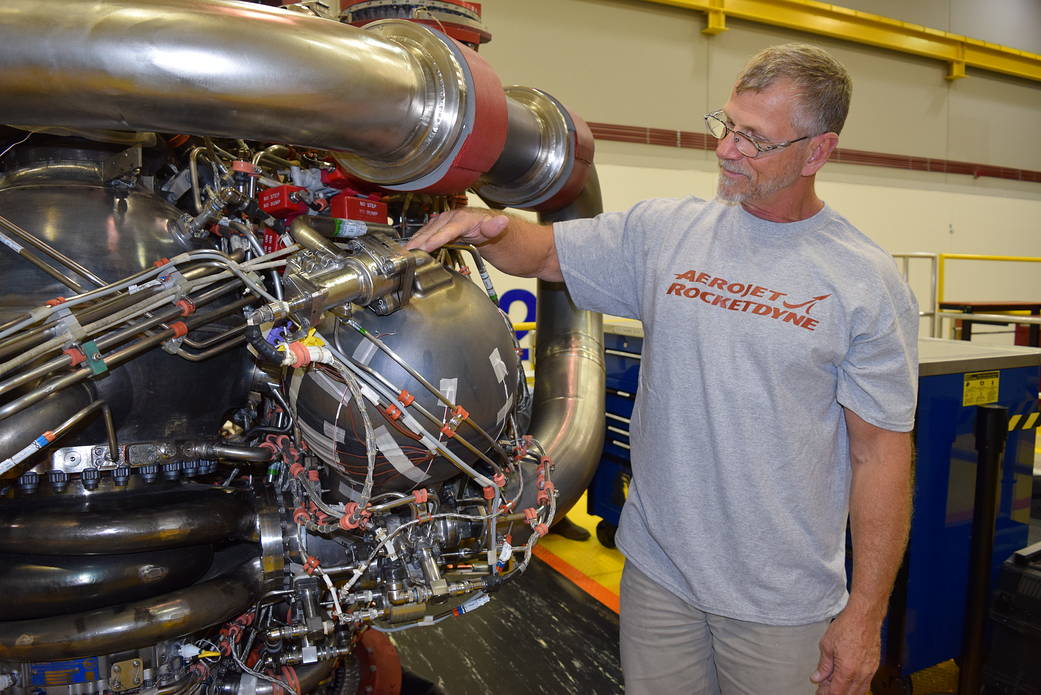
column 747, row 298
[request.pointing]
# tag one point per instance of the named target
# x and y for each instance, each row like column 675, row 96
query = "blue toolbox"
column 623, row 343
column 927, row 610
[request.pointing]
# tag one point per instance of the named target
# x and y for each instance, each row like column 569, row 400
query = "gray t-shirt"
column 757, row 335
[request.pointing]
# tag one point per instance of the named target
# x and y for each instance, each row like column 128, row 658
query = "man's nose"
column 726, row 147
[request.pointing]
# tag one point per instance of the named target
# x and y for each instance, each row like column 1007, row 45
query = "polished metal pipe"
column 150, row 519
column 39, row 586
column 220, row 68
column 568, row 413
column 132, row 625
column 51, row 252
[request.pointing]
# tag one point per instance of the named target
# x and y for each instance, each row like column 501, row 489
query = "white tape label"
column 364, row 352
column 498, row 365
column 449, row 387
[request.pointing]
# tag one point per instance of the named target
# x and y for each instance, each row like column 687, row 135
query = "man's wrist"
column 870, row 610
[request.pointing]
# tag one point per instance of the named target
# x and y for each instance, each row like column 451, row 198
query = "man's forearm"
column 880, row 512
column 525, row 249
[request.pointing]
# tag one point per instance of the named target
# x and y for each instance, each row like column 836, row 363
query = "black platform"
column 540, row 634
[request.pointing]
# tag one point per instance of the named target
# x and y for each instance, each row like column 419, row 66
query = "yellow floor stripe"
column 1013, row 421
column 1031, row 419
column 602, row 565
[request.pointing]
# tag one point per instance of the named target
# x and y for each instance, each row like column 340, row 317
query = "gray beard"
column 729, row 192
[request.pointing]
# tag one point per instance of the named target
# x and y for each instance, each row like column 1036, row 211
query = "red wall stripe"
column 703, row 141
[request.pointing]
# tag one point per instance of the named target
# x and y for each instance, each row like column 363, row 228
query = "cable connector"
column 471, row 604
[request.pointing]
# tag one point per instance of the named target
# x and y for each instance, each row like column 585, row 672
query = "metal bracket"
column 122, row 164
column 93, row 356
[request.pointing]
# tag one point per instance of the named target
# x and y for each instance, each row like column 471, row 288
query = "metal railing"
column 938, row 267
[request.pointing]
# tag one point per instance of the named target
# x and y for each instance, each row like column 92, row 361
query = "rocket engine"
column 243, row 431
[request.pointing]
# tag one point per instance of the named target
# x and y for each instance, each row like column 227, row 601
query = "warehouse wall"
column 637, row 63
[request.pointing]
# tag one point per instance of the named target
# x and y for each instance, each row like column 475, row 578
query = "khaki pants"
column 669, row 647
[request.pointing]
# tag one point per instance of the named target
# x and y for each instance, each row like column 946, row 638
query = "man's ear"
column 821, row 147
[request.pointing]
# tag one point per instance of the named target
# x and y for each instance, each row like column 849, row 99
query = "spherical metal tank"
column 458, row 341
column 57, row 194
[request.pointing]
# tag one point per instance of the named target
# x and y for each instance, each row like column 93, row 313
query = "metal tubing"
column 102, row 523
column 110, row 427
column 991, row 432
column 39, row 263
column 251, row 454
column 38, row 586
column 568, row 416
column 118, row 357
column 203, row 356
column 49, row 251
column 133, row 625
column 210, row 68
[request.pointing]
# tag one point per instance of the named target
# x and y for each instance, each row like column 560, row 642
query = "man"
column 777, row 388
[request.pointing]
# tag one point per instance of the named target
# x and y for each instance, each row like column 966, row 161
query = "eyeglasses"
column 745, row 143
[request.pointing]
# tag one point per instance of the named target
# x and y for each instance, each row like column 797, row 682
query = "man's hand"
column 468, row 225
column 850, row 652
column 512, row 244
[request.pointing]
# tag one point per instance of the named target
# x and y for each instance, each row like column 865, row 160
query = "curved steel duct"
column 132, row 625
column 116, row 522
column 568, row 415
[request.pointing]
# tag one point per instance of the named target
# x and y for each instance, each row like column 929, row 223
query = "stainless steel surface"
column 568, row 416
column 125, row 521
column 225, row 69
column 20, row 429
column 446, row 96
column 132, row 625
column 547, row 143
column 456, row 335
column 38, row 586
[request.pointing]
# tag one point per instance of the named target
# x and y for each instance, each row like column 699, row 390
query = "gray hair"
column 823, row 85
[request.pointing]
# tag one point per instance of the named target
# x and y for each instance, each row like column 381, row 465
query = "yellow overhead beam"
column 852, row 25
